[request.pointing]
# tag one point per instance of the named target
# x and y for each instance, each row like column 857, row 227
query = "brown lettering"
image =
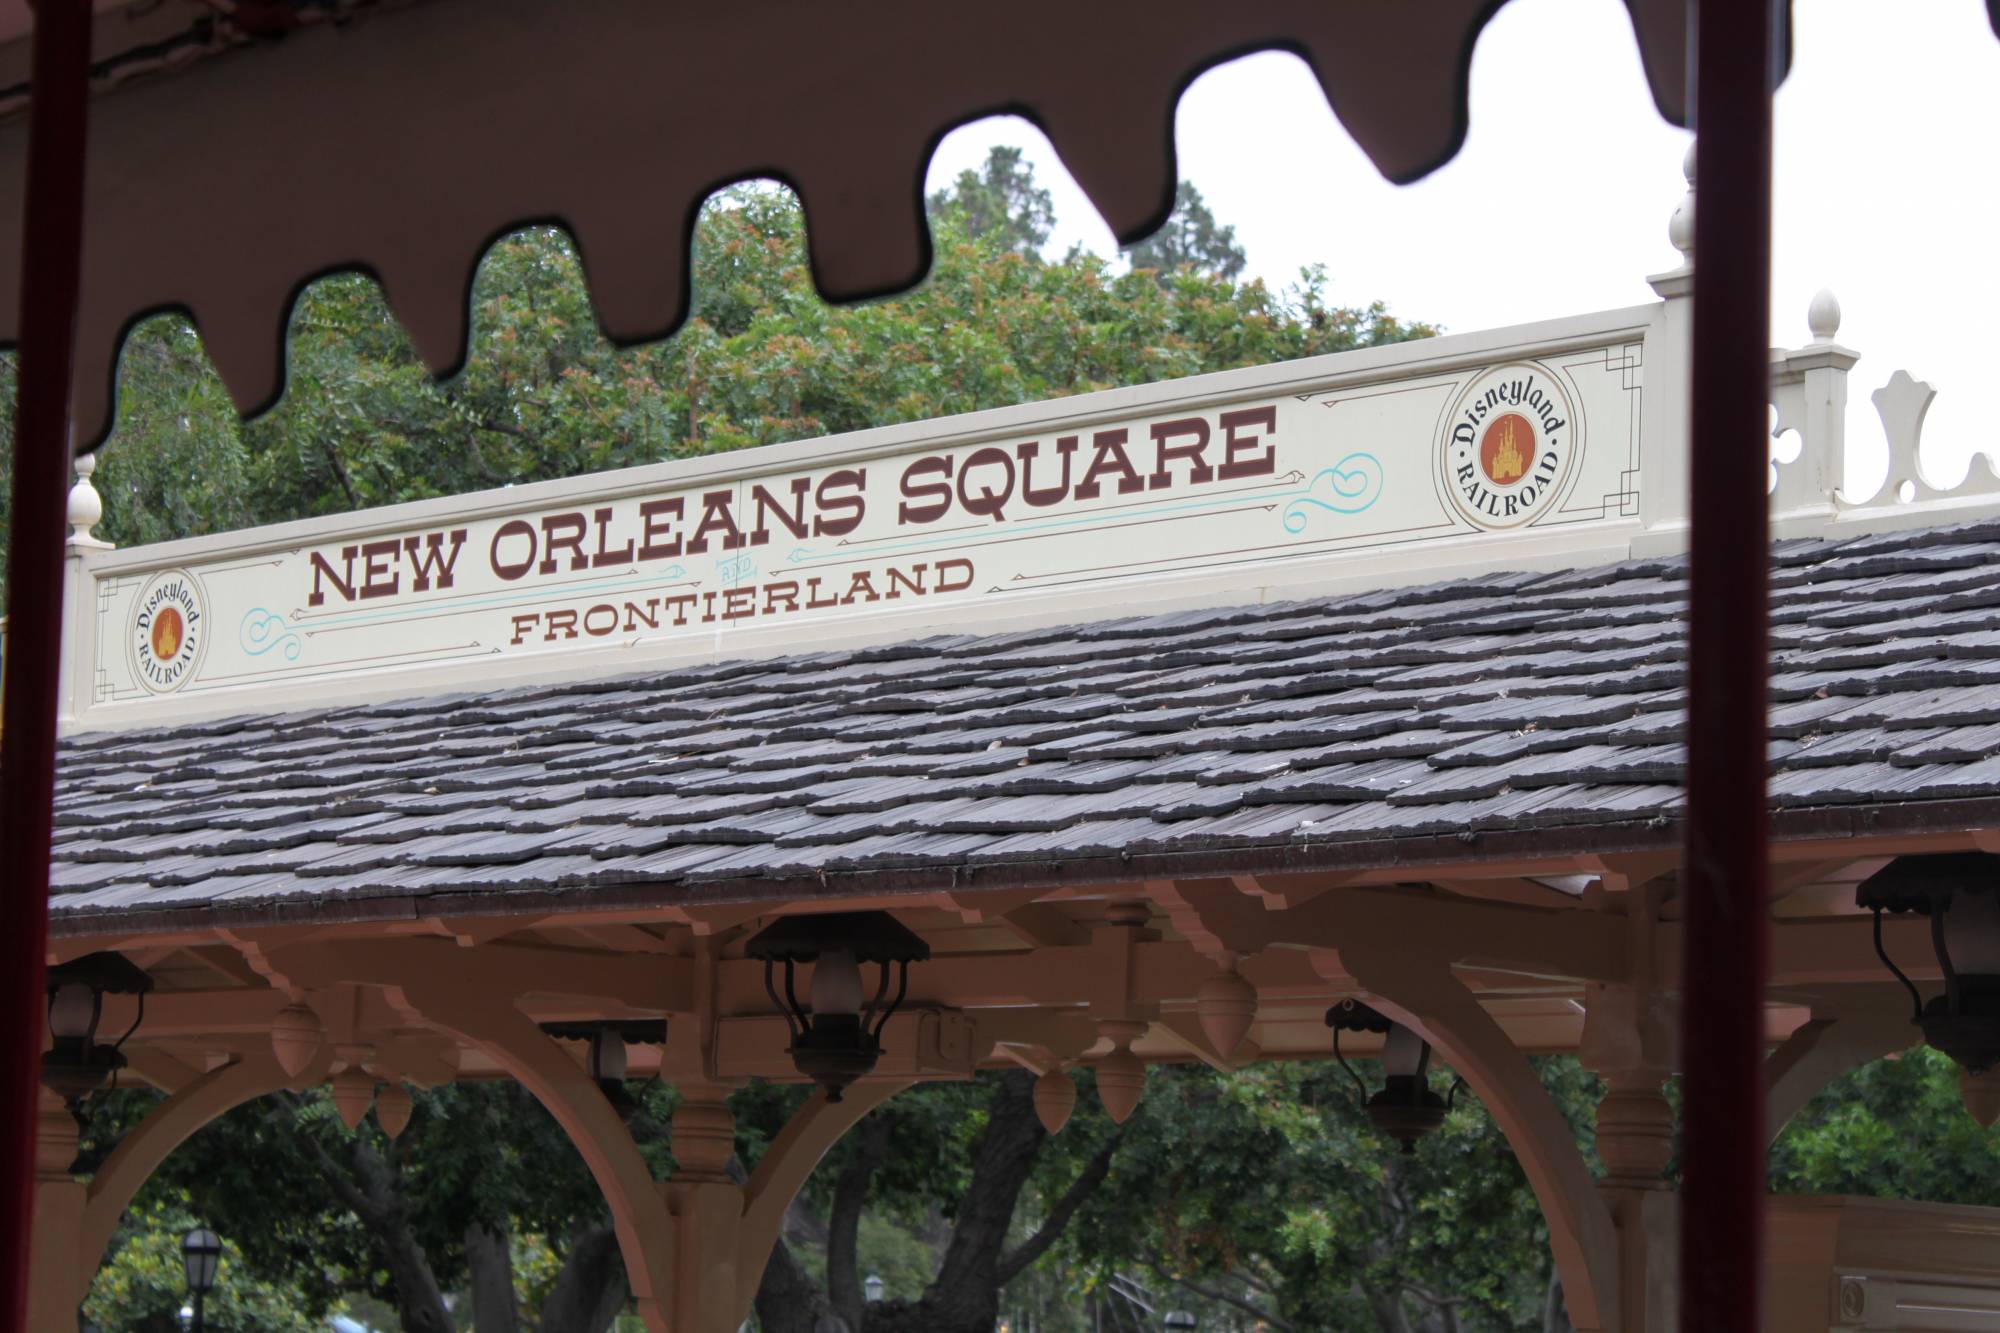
column 786, row 591
column 1233, row 445
column 378, row 576
column 563, row 532
column 508, row 569
column 768, row 506
column 659, row 516
column 926, row 513
column 987, row 502
column 739, row 603
column 1110, row 457
column 962, row 584
column 1047, row 495
column 564, row 621
column 1195, row 430
column 898, row 580
column 432, row 562
column 525, row 623
column 343, row 580
column 716, row 516
column 851, row 507
column 604, row 556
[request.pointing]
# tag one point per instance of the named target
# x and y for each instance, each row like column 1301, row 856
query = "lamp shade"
column 873, row 1286
column 1404, row 1053
column 1960, row 893
column 201, row 1255
column 73, row 1009
column 836, row 983
column 607, row 1055
column 1179, row 1319
column 837, row 1034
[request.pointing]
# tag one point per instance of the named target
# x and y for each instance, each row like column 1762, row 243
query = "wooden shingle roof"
column 1520, row 711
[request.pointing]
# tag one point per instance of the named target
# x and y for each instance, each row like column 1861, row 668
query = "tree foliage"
column 1892, row 1129
column 1190, row 240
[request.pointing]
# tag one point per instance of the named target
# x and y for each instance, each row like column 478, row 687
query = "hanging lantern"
column 1405, row 1109
column 77, row 1064
column 1960, row 893
column 836, row 1036
column 606, row 1058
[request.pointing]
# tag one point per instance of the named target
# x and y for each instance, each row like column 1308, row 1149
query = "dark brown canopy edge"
column 404, row 145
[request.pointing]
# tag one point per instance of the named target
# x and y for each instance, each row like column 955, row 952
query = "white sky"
column 1887, row 191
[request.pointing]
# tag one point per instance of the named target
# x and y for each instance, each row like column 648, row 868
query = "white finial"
column 86, row 506
column 1823, row 315
column 1680, row 227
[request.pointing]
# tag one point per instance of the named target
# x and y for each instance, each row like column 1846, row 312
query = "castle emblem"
column 1508, row 446
column 169, row 630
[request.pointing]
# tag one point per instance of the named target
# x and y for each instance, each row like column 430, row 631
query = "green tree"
column 1267, row 1193
column 143, row 1286
column 1191, row 239
column 1000, row 204
column 1892, row 1129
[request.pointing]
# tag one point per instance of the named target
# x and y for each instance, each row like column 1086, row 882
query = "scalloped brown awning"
column 405, row 142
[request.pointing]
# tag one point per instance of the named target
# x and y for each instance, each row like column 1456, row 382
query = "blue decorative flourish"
column 1348, row 487
column 798, row 554
column 263, row 630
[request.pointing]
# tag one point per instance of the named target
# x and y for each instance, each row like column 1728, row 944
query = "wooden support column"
column 1728, row 824
column 51, row 281
column 1629, row 1035
column 59, row 1277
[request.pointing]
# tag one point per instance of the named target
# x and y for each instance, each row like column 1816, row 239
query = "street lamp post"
column 201, row 1254
column 873, row 1286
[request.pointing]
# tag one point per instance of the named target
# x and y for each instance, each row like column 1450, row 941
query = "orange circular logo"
column 166, row 634
column 1506, row 449
column 1508, row 446
column 169, row 631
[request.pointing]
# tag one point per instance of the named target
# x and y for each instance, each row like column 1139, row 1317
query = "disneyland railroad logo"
column 169, row 630
column 1508, row 445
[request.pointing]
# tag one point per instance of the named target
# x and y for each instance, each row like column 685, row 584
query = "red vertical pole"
column 51, row 268
column 1725, row 880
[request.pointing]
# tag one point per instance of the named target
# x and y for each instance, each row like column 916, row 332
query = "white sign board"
column 957, row 523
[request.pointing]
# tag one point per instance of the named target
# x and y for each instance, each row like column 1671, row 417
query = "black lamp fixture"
column 1960, row 893
column 836, row 1038
column 607, row 1060
column 76, row 1063
column 1406, row 1109
column 201, row 1255
column 1179, row 1319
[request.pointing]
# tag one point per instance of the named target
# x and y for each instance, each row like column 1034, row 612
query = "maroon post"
column 1724, row 883
column 51, row 264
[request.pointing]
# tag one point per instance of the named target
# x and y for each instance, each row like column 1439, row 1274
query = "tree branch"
column 1250, row 1308
column 1035, row 1246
